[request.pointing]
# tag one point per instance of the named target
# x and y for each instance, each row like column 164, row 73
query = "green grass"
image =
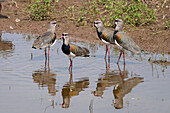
column 131, row 11
column 40, row 10
column 167, row 24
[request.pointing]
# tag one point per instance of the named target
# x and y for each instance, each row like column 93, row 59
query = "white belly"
column 105, row 42
column 72, row 55
column 54, row 42
column 117, row 44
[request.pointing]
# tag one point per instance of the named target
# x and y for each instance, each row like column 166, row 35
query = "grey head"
column 51, row 26
column 99, row 25
column 119, row 24
column 65, row 37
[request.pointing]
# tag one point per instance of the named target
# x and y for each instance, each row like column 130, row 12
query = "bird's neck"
column 119, row 28
column 115, row 32
column 51, row 30
column 100, row 29
column 66, row 42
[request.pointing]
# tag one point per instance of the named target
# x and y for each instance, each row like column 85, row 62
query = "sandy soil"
column 155, row 37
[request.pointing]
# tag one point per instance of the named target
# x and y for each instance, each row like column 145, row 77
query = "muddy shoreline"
column 153, row 38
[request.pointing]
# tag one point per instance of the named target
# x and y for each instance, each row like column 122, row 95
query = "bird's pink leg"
column 48, row 52
column 71, row 65
column 106, row 51
column 45, row 54
column 119, row 56
column 108, row 54
column 124, row 57
column 107, row 65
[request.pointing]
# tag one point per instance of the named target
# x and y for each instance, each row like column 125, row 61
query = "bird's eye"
column 116, row 21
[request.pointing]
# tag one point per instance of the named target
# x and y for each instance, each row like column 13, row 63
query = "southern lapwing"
column 105, row 35
column 47, row 39
column 124, row 41
column 72, row 50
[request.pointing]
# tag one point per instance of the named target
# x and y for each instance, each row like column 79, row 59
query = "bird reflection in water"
column 123, row 87
column 108, row 79
column 121, row 82
column 45, row 78
column 72, row 88
column 6, row 47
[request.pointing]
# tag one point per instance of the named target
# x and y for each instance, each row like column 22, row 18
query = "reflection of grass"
column 162, row 60
column 133, row 12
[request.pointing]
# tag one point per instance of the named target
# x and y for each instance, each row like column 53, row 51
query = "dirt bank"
column 155, row 37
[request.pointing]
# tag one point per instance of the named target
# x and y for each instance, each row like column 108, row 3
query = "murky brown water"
column 29, row 85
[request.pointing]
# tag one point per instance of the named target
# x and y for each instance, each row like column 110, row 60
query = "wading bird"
column 47, row 39
column 72, row 50
column 124, row 41
column 105, row 35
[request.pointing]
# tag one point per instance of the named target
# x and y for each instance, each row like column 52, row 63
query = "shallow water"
column 28, row 84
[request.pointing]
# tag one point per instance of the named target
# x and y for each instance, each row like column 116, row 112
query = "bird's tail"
column 145, row 52
column 34, row 47
column 86, row 56
column 86, row 51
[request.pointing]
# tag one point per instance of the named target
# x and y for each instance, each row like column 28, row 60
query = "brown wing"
column 118, row 37
column 79, row 51
column 104, row 36
column 126, row 42
column 73, row 48
column 44, row 40
column 107, row 35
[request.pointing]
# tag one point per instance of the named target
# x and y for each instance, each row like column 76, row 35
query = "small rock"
column 17, row 20
column 11, row 27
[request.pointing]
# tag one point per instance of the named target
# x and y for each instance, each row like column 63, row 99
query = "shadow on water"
column 123, row 84
column 45, row 78
column 6, row 47
column 72, row 88
column 123, row 87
